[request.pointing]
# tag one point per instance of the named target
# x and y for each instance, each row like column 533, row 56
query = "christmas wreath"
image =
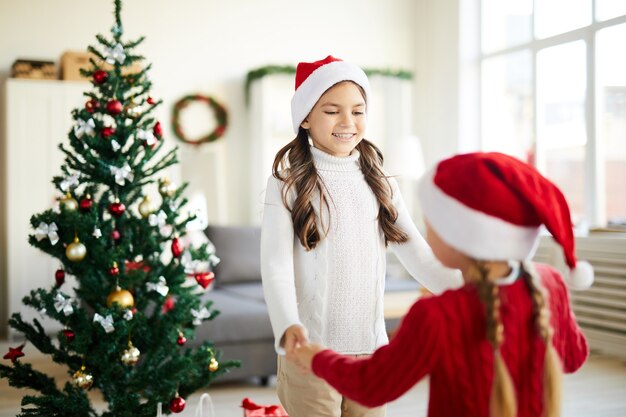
column 221, row 116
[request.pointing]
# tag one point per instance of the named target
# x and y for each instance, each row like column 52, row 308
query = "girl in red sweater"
column 498, row 345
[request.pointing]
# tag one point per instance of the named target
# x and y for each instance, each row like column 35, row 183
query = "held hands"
column 298, row 350
column 303, row 355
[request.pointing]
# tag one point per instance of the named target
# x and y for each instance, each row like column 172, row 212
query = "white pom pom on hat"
column 314, row 78
column 490, row 206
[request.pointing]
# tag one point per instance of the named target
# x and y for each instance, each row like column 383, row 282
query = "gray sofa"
column 242, row 330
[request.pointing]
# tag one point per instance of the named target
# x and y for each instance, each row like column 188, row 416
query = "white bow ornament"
column 47, row 230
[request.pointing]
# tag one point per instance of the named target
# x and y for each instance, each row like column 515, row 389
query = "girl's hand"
column 303, row 355
column 294, row 335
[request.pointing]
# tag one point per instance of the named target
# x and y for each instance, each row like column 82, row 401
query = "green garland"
column 261, row 72
column 221, row 116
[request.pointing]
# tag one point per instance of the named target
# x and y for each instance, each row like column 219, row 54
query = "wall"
column 437, row 72
column 208, row 46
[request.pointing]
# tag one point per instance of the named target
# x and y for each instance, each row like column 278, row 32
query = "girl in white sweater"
column 330, row 213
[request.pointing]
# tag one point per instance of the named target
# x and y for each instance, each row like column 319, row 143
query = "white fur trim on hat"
column 472, row 232
column 581, row 277
column 320, row 80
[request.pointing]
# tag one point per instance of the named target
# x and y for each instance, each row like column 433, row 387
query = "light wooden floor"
column 597, row 390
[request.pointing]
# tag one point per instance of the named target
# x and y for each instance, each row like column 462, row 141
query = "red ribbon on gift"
column 262, row 410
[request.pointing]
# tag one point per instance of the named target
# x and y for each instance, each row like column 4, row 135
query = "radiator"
column 601, row 309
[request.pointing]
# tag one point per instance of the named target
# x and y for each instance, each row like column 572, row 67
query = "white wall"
column 437, row 78
column 208, row 46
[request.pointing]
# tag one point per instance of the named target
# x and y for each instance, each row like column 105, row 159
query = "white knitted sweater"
column 336, row 290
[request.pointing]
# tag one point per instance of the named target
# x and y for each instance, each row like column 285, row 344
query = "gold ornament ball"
column 166, row 188
column 122, row 297
column 82, row 379
column 131, row 355
column 76, row 251
column 145, row 207
column 69, row 203
column 213, row 365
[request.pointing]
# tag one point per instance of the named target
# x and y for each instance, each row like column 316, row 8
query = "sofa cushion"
column 240, row 320
column 239, row 250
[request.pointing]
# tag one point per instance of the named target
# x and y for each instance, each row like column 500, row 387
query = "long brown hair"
column 294, row 166
column 503, row 402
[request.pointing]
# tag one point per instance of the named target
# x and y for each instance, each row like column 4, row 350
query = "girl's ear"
column 305, row 124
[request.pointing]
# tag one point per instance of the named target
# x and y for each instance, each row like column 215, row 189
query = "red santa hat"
column 314, row 78
column 490, row 206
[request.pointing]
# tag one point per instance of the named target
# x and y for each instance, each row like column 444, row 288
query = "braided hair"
column 503, row 402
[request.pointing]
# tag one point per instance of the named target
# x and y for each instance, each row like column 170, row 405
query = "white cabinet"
column 38, row 118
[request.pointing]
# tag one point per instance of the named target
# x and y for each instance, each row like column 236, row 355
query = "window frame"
column 595, row 181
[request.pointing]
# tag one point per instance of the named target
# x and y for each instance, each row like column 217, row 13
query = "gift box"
column 250, row 409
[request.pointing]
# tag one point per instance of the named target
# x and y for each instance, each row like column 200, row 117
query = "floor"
column 597, row 390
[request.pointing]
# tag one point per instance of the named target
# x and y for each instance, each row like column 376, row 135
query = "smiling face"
column 337, row 122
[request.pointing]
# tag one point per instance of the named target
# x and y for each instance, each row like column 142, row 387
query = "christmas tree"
column 140, row 291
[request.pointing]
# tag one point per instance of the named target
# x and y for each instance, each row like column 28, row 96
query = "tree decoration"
column 130, row 356
column 92, row 105
column 181, row 340
column 213, row 365
column 59, row 277
column 107, row 132
column 114, row 270
column 112, row 158
column 117, row 208
column 177, row 247
column 114, row 107
column 76, row 251
column 145, row 207
column 86, row 203
column 177, row 404
column 100, row 77
column 123, row 298
column 69, row 335
column 116, row 235
column 14, row 353
column 204, row 279
column 82, row 379
column 221, row 116
column 68, row 202
column 166, row 188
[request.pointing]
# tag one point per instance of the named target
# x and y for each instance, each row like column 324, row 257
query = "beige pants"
column 305, row 395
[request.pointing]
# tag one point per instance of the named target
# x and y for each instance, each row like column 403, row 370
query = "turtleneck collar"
column 326, row 162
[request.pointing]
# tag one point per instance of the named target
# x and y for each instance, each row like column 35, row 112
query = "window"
column 553, row 93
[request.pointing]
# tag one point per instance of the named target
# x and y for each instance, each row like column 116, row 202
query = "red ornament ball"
column 69, row 335
column 114, row 107
column 114, row 270
column 92, row 105
column 100, row 77
column 108, row 132
column 158, row 130
column 177, row 247
column 59, row 277
column 86, row 204
column 181, row 340
column 116, row 235
column 117, row 208
column 150, row 100
column 177, row 404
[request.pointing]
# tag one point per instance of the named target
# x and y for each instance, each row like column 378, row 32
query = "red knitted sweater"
column 444, row 337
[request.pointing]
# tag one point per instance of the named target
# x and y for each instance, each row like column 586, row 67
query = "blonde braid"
column 552, row 368
column 503, row 402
